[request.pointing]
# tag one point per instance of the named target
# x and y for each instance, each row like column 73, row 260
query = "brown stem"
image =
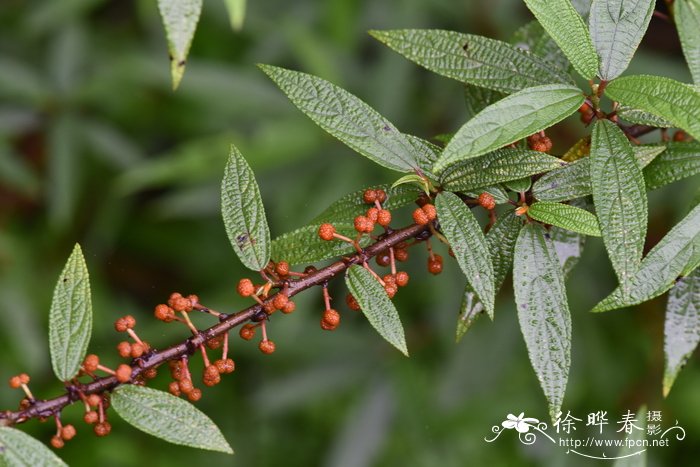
column 153, row 359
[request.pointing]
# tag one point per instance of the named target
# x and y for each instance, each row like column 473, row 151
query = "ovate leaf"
column 677, row 254
column 180, row 19
column 167, row 417
column 664, row 97
column 620, row 200
column 18, row 449
column 236, row 13
column 376, row 306
column 496, row 167
column 244, row 214
column 543, row 311
column 565, row 216
column 500, row 241
column 474, row 60
column 617, row 27
column 682, row 327
column 574, row 180
column 678, row 161
column 469, row 246
column 70, row 318
column 510, row 119
column 346, row 117
column 519, row 185
column 565, row 25
column 686, row 14
column 304, row 246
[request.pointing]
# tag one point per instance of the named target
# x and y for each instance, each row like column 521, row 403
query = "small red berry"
column 383, row 259
column 267, row 346
column 486, row 200
column 435, row 265
column 352, row 303
column 93, row 400
column 185, row 386
column 182, row 304
column 245, row 288
column 194, row 395
column 280, row 300
column 289, row 307
column 384, row 218
column 123, row 373
column 68, row 432
column 327, row 326
column 420, row 217
column 389, row 279
column 137, row 350
column 57, row 442
column 247, row 332
column 363, row 224
column 173, row 296
column 326, row 232
column 215, row 342
column 372, row 214
column 430, row 211
column 680, row 135
column 24, row 378
column 269, row 306
column 164, row 313
column 381, row 195
column 401, row 255
column 174, row 388
column 90, row 417
column 130, row 321
column 402, row 278
column 90, row 363
column 229, row 365
column 15, row 382
column 369, row 196
column 102, row 429
column 124, row 349
column 282, row 268
column 150, row 373
column 331, row 317
column 120, row 325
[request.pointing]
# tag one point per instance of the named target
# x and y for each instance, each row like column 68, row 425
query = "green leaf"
column 686, row 14
column 244, row 214
column 543, row 311
column 345, row 209
column 477, row 99
column 639, row 117
column 510, row 119
column 620, row 199
column 376, row 306
column 574, row 180
column 664, row 97
column 682, row 326
column 236, row 13
column 533, row 38
column 520, row 185
column 500, row 241
column 475, row 60
column 415, row 180
column 679, row 161
column 425, row 152
column 567, row 28
column 617, row 27
column 677, row 254
column 565, row 216
column 70, row 318
column 496, row 167
column 469, row 246
column 180, row 19
column 347, row 118
column 167, row 417
column 18, row 449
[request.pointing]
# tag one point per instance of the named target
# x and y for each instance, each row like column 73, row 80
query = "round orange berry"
column 384, row 218
column 486, row 200
column 401, row 278
column 326, row 232
column 90, row 363
column 420, row 217
column 267, row 347
column 245, row 288
column 369, row 196
column 289, row 307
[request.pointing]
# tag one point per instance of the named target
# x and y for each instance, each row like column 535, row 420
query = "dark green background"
column 96, row 148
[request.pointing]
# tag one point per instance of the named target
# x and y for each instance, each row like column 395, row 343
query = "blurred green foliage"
column 96, row 148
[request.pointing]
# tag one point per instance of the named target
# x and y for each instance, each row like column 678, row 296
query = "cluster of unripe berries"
column 101, row 427
column 539, row 142
column 63, row 433
column 176, row 303
column 247, row 332
column 92, row 363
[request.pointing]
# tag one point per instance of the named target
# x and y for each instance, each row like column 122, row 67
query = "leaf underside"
column 180, row 18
